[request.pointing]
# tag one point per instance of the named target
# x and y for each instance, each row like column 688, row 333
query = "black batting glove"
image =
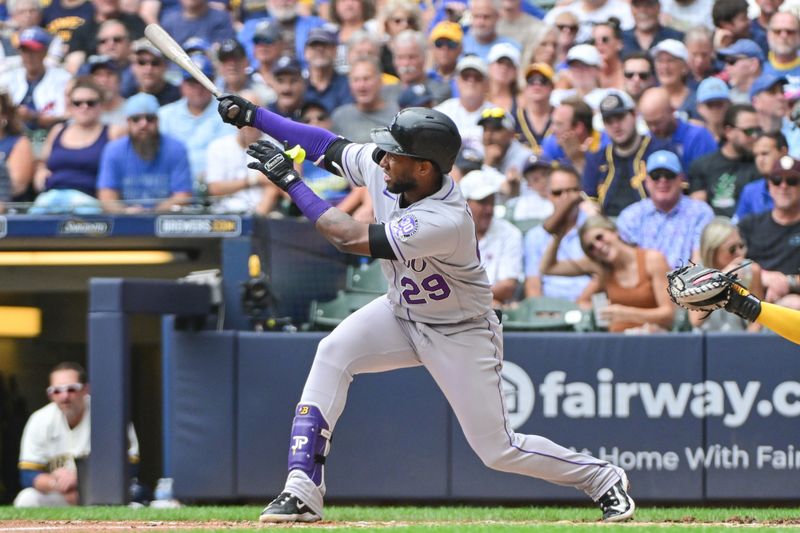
column 236, row 110
column 741, row 302
column 273, row 163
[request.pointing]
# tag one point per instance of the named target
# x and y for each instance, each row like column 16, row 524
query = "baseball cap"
column 96, row 62
column 765, row 82
column 195, row 44
column 325, row 34
column 144, row 45
column 141, row 104
column 415, row 96
column 477, row 185
column 536, row 161
column 287, row 65
column 786, row 166
column 204, row 63
column 267, row 32
column 447, row 30
column 712, row 89
column 472, row 62
column 542, row 68
column 744, row 48
column 34, row 38
column 469, row 157
column 664, row 160
column 497, row 117
column 673, row 47
column 616, row 103
column 230, row 49
column 501, row 50
column 584, row 53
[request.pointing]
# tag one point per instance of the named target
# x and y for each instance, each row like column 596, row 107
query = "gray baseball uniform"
column 437, row 313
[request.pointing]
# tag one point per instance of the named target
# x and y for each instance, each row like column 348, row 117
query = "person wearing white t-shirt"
column 54, row 437
column 472, row 80
column 590, row 12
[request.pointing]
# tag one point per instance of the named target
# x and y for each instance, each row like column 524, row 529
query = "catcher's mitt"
column 699, row 288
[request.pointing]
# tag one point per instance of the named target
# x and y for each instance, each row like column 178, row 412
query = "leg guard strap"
column 310, row 442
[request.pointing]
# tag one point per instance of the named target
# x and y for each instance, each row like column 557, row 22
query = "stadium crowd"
column 604, row 141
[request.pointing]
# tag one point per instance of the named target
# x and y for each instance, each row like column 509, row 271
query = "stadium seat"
column 328, row 315
column 367, row 278
column 544, row 314
column 526, row 224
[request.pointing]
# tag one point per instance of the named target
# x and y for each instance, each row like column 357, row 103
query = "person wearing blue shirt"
column 324, row 84
column 755, row 198
column 783, row 36
column 197, row 19
column 689, row 141
column 145, row 169
column 647, row 30
column 573, row 135
column 482, row 34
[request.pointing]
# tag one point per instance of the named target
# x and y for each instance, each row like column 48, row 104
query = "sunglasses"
column 790, row 181
column 663, row 174
column 731, row 60
column 538, row 80
column 644, row 76
column 115, row 39
column 442, row 43
column 572, row 28
column 787, row 31
column 87, row 103
column 559, row 192
column 147, row 117
column 752, row 132
column 733, row 248
column 597, row 242
column 605, row 39
column 145, row 62
column 54, row 390
column 399, row 20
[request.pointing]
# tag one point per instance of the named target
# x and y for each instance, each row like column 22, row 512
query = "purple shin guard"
column 310, row 442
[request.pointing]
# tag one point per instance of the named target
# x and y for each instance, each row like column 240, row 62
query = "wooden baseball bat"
column 164, row 42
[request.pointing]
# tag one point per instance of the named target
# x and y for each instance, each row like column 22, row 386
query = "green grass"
column 445, row 519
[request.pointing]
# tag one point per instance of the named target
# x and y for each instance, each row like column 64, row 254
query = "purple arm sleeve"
column 311, row 205
column 315, row 140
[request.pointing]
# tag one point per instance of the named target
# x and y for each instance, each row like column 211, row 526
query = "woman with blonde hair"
column 396, row 17
column 543, row 48
column 723, row 248
column 634, row 279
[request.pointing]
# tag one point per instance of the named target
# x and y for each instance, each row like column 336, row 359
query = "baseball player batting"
column 437, row 312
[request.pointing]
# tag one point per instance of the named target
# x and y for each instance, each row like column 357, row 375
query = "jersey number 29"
column 435, row 287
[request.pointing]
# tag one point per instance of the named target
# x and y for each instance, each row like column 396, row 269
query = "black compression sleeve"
column 333, row 156
column 379, row 243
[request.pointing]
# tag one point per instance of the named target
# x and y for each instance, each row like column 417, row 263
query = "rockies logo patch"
column 405, row 227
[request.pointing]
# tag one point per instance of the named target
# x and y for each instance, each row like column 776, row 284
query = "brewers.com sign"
column 198, row 226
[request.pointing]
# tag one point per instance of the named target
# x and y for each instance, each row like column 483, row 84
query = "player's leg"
column 466, row 366
column 369, row 340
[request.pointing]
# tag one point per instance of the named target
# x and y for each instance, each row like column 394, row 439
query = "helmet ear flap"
column 377, row 155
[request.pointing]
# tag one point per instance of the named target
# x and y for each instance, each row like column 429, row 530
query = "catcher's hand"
column 699, row 288
column 273, row 163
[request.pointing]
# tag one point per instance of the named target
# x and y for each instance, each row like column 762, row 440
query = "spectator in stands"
column 568, row 25
column 324, row 84
column 290, row 87
column 267, row 49
column 573, row 137
column 37, row 90
column 104, row 72
column 198, row 19
column 683, row 15
column 583, row 75
column 713, row 101
column 482, row 33
column 689, row 141
column 55, row 436
column 370, row 110
column 607, row 38
column 564, row 186
column 503, row 66
column 767, row 97
column 534, row 112
column 535, row 204
column 409, row 49
column 615, row 176
column 396, row 17
column 235, row 73
column 17, row 164
column 499, row 242
column 149, row 67
column 466, row 109
column 446, row 40
column 760, row 23
column 755, row 198
column 639, row 74
column 783, row 37
column 515, row 24
column 63, row 17
column 722, row 247
column 592, row 12
column 544, row 48
column 502, row 151
column 672, row 72
column 742, row 65
column 647, row 30
column 87, row 38
column 634, row 278
column 113, row 41
column 193, row 119
column 24, row 14
column 718, row 177
column 70, row 156
column 773, row 237
column 364, row 44
column 350, row 16
column 700, row 50
column 667, row 221
column 146, row 169
column 731, row 22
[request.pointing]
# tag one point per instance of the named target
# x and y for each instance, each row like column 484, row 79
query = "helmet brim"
column 383, row 138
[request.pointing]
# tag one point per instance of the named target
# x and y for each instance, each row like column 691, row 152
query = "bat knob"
column 233, row 111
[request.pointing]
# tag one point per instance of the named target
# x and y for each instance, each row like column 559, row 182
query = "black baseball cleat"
column 288, row 508
column 615, row 503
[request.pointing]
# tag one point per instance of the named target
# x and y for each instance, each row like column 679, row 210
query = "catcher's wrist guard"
column 742, row 303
